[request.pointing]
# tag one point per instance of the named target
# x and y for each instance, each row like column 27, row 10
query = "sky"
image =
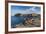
column 25, row 9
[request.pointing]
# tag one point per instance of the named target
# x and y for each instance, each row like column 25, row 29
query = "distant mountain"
column 33, row 14
column 18, row 14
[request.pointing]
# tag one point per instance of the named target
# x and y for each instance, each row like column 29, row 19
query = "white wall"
column 2, row 19
column 2, row 12
column 30, row 0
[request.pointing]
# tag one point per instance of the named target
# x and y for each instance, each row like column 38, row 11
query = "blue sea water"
column 16, row 20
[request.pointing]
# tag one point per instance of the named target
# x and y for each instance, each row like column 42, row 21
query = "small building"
column 34, row 14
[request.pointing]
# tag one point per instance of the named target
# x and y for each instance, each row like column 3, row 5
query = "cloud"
column 26, row 11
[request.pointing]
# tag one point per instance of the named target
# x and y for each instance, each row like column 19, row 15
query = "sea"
column 17, row 20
